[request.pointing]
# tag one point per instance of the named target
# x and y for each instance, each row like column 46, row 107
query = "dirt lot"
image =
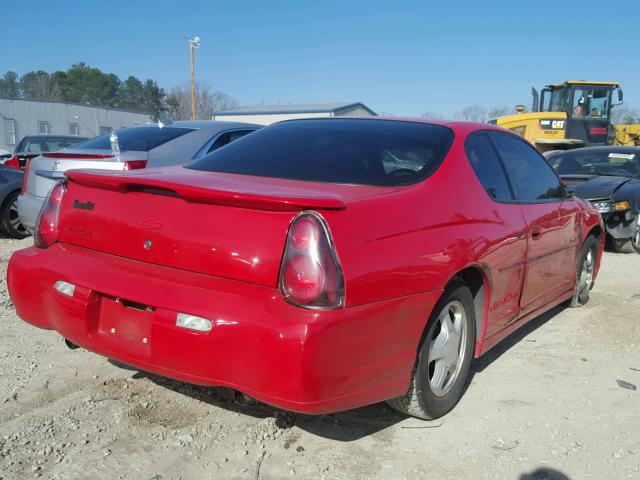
column 556, row 401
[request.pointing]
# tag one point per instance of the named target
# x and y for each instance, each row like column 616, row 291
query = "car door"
column 551, row 219
column 506, row 234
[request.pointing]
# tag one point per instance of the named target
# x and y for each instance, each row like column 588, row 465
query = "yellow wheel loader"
column 566, row 115
column 627, row 134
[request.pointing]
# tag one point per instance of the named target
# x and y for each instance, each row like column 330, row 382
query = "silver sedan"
column 130, row 148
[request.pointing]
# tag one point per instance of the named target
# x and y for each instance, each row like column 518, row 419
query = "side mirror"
column 569, row 190
column 620, row 95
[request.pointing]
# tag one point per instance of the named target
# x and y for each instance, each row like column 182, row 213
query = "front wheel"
column 10, row 225
column 586, row 271
column 629, row 245
column 444, row 359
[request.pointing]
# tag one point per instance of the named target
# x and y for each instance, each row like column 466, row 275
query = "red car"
column 315, row 265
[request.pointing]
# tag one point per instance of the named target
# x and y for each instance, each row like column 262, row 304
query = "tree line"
column 88, row 85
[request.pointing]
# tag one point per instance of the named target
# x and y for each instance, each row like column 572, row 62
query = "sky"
column 398, row 57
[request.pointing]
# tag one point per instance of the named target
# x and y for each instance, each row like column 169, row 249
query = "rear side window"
column 485, row 162
column 365, row 152
column 531, row 176
column 227, row 138
column 140, row 139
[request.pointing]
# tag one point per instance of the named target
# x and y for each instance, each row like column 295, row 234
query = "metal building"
column 20, row 117
column 268, row 114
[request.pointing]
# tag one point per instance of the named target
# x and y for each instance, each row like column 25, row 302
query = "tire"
column 10, row 225
column 437, row 385
column 585, row 272
column 629, row 245
column 622, row 245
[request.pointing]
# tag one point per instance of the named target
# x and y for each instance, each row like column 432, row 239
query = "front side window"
column 9, row 131
column 591, row 102
column 486, row 164
column 339, row 150
column 43, row 127
column 620, row 163
column 531, row 177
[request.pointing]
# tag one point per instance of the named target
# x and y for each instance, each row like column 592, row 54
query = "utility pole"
column 193, row 44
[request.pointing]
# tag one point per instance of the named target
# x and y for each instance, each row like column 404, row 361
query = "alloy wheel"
column 586, row 275
column 447, row 348
column 14, row 218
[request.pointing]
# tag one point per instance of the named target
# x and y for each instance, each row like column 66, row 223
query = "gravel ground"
column 557, row 400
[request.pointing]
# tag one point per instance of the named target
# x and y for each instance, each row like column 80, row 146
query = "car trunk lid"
column 221, row 224
column 48, row 168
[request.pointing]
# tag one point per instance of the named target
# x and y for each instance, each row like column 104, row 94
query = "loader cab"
column 587, row 106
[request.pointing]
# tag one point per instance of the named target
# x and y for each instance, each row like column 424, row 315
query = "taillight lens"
column 134, row 164
column 47, row 224
column 310, row 274
column 27, row 165
column 13, row 162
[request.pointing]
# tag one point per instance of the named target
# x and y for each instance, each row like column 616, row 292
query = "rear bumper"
column 301, row 360
column 28, row 208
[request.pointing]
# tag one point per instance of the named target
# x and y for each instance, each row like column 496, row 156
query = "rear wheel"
column 10, row 225
column 586, row 271
column 444, row 359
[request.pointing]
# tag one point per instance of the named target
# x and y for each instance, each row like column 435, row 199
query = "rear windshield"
column 597, row 162
column 365, row 152
column 46, row 144
column 141, row 139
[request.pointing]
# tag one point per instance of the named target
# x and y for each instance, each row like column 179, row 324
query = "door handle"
column 536, row 232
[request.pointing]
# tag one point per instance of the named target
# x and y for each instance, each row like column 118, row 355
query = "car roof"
column 458, row 126
column 210, row 125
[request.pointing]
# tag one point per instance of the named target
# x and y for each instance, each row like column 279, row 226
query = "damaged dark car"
column 609, row 178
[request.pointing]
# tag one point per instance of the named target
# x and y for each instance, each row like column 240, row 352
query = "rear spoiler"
column 199, row 194
column 81, row 156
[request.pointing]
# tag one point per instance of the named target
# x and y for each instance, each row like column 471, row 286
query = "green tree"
column 84, row 84
column 131, row 94
column 154, row 100
column 9, row 85
column 40, row 85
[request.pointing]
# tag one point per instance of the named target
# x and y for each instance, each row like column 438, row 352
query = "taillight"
column 27, row 165
column 134, row 164
column 13, row 162
column 310, row 274
column 47, row 223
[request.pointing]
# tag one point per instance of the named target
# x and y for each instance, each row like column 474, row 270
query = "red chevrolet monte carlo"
column 316, row 265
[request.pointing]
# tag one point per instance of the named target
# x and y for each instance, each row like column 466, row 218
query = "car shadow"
column 544, row 473
column 343, row 426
